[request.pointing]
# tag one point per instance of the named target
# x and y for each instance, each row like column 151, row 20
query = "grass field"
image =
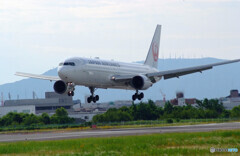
column 198, row 143
column 111, row 125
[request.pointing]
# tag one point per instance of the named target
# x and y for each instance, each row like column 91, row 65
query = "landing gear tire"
column 97, row 97
column 89, row 100
column 134, row 97
column 92, row 98
column 71, row 93
column 137, row 96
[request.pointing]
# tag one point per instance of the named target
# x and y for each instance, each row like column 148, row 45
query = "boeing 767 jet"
column 96, row 73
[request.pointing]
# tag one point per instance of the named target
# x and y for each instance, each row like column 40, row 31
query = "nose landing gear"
column 70, row 88
column 137, row 96
column 71, row 93
column 92, row 98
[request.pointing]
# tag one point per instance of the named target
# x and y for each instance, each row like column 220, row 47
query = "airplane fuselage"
column 98, row 73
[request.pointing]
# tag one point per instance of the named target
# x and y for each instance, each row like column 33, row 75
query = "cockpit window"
column 69, row 64
column 61, row 64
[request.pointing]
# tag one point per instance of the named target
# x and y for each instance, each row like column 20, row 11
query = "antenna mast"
column 9, row 96
column 163, row 95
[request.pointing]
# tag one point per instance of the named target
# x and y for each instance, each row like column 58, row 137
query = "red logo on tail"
column 155, row 51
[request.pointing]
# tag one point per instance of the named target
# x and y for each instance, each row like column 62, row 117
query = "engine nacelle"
column 60, row 87
column 141, row 82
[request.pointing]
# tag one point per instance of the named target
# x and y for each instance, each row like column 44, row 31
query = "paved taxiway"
column 116, row 132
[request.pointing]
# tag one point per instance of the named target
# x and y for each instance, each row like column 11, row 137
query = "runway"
column 115, row 132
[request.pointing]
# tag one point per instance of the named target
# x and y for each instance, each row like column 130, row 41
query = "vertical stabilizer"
column 153, row 52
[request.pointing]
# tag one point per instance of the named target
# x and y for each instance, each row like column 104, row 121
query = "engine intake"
column 137, row 82
column 140, row 82
column 60, row 87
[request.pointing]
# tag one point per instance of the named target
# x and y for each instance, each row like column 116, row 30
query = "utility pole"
column 9, row 96
column 35, row 95
column 2, row 100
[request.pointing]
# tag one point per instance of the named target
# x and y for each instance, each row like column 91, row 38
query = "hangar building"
column 49, row 105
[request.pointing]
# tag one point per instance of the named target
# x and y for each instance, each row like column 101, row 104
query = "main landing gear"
column 137, row 96
column 92, row 98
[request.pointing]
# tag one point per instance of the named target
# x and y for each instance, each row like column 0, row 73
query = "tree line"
column 142, row 111
column 149, row 111
column 14, row 119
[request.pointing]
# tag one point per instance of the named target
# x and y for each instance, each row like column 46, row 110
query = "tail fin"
column 152, row 57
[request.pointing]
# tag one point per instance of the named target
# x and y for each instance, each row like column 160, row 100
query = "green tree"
column 226, row 114
column 212, row 104
column 235, row 112
column 113, row 115
column 143, row 112
column 45, row 118
column 61, row 117
column 211, row 114
column 133, row 111
column 168, row 108
column 124, row 109
column 17, row 118
column 149, row 111
column 7, row 119
column 31, row 119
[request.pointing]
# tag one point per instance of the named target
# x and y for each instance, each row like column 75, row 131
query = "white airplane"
column 96, row 73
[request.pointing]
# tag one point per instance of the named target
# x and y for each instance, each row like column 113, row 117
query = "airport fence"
column 140, row 123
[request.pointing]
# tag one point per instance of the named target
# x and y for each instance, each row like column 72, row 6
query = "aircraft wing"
column 120, row 78
column 184, row 71
column 43, row 77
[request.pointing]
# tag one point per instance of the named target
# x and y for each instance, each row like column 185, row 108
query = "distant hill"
column 213, row 83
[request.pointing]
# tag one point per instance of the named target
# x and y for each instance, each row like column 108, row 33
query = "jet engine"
column 60, row 87
column 141, row 82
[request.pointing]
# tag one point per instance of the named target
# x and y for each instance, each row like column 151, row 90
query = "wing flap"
column 35, row 76
column 184, row 71
column 181, row 73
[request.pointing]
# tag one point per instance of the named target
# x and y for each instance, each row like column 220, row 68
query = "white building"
column 232, row 100
column 229, row 103
column 17, row 109
column 181, row 102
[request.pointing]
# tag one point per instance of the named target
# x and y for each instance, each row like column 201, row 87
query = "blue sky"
column 35, row 35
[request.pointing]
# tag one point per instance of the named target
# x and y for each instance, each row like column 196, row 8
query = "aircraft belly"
column 93, row 78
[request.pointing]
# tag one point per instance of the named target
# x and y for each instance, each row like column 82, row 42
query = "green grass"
column 197, row 143
column 107, row 125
